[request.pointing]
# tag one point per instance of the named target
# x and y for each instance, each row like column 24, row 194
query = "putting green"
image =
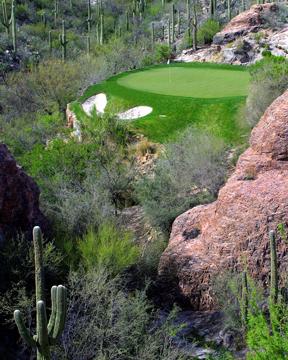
column 196, row 82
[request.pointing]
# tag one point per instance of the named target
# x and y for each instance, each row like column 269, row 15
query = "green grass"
column 207, row 96
column 183, row 81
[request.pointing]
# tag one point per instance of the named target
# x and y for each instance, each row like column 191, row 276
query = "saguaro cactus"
column 194, row 28
column 63, row 41
column 88, row 45
column 152, row 34
column 50, row 42
column 6, row 20
column 244, row 298
column 213, row 8
column 274, row 267
column 169, row 33
column 13, row 27
column 46, row 333
column 89, row 17
column 229, row 11
column 56, row 11
column 173, row 23
column 101, row 29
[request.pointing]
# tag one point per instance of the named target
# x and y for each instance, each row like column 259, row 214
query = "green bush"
column 104, row 322
column 207, row 31
column 188, row 174
column 269, row 79
column 162, row 53
column 109, row 247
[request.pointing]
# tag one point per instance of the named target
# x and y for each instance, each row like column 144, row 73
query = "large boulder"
column 244, row 39
column 19, row 199
column 250, row 21
column 233, row 231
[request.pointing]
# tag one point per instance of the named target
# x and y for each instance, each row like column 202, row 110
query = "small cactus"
column 274, row 268
column 152, row 34
column 46, row 333
column 101, row 29
column 50, row 42
column 244, row 299
column 63, row 41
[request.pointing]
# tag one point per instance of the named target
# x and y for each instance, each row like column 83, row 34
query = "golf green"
column 207, row 96
column 193, row 82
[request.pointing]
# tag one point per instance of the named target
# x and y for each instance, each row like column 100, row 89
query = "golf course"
column 207, row 96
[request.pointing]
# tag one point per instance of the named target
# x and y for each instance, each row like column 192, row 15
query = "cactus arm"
column 23, row 331
column 43, row 350
column 39, row 269
column 274, row 267
column 61, row 312
column 51, row 322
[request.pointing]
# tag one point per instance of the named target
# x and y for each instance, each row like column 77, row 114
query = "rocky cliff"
column 19, row 199
column 233, row 231
column 243, row 40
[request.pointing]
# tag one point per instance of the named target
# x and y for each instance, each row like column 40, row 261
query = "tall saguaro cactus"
column 89, row 17
column 194, row 28
column 274, row 267
column 63, row 41
column 173, row 23
column 6, row 20
column 13, row 27
column 47, row 333
column 9, row 22
column 229, row 10
column 56, row 11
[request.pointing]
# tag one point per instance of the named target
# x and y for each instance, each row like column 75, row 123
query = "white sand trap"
column 135, row 113
column 98, row 101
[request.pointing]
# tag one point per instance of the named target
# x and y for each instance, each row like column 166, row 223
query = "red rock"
column 19, row 199
column 234, row 229
column 246, row 22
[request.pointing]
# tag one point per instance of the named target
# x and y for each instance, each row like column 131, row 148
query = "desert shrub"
column 207, row 31
column 22, row 134
column 62, row 160
column 47, row 88
column 110, row 247
column 104, row 322
column 189, row 173
column 267, row 335
column 269, row 79
column 162, row 53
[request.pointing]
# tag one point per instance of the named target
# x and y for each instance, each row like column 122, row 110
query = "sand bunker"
column 135, row 113
column 98, row 101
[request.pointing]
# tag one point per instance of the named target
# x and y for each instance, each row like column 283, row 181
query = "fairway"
column 202, row 83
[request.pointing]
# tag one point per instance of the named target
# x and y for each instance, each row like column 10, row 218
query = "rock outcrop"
column 243, row 40
column 233, row 231
column 19, row 199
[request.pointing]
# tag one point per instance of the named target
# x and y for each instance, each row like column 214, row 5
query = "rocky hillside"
column 246, row 37
column 233, row 231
